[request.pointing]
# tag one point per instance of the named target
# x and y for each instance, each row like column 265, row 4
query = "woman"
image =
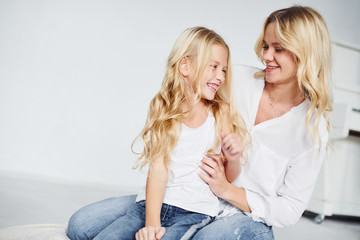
column 285, row 107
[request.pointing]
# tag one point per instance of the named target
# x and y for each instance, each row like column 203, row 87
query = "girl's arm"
column 231, row 147
column 155, row 191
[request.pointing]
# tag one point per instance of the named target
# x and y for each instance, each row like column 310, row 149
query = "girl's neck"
column 197, row 115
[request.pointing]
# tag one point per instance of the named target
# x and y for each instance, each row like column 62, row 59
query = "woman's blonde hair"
column 165, row 115
column 303, row 31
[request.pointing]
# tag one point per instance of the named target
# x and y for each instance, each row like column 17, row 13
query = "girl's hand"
column 216, row 179
column 150, row 233
column 231, row 146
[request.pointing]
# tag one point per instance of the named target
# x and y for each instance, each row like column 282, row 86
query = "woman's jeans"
column 103, row 217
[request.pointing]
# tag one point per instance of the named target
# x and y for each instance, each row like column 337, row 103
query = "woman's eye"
column 213, row 66
column 279, row 49
column 224, row 70
column 265, row 47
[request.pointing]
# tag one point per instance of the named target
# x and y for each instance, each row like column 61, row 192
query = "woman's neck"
column 284, row 94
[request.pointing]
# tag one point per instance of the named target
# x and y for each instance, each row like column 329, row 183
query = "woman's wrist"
column 236, row 196
column 226, row 193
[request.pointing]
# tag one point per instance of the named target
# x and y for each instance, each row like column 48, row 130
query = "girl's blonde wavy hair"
column 303, row 31
column 165, row 116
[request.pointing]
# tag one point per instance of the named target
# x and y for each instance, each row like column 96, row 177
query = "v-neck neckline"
column 272, row 120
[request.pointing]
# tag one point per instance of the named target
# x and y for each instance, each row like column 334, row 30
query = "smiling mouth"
column 272, row 67
column 213, row 87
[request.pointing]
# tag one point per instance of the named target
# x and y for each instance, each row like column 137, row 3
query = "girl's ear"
column 184, row 66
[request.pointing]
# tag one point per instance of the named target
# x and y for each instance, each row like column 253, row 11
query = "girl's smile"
column 213, row 87
column 215, row 71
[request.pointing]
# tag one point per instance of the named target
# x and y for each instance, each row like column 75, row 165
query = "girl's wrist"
column 153, row 223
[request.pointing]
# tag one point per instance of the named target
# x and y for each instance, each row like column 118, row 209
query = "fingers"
column 213, row 166
column 222, row 134
column 231, row 143
column 150, row 233
column 230, row 140
column 204, row 177
column 160, row 233
column 207, row 168
column 214, row 159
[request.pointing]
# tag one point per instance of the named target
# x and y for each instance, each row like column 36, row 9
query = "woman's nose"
column 268, row 55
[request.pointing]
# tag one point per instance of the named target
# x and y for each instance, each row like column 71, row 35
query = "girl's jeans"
column 176, row 221
column 100, row 220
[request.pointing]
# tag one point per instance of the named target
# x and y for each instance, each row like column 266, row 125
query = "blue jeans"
column 90, row 220
column 234, row 227
column 177, row 222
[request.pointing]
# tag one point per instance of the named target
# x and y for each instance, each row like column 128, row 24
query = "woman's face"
column 280, row 63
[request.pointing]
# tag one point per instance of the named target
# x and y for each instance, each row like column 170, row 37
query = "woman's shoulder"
column 245, row 69
column 321, row 122
column 241, row 71
column 243, row 76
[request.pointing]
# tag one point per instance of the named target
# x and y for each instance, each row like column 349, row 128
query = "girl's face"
column 280, row 63
column 214, row 73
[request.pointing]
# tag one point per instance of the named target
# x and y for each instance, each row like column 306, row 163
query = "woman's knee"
column 234, row 227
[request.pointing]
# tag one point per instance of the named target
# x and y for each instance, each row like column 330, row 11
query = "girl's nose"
column 220, row 75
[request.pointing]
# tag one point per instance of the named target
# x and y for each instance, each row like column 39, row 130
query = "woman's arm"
column 219, row 184
column 282, row 209
column 285, row 207
column 155, row 190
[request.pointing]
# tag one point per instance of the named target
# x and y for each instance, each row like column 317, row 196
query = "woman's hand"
column 150, row 233
column 213, row 165
column 231, row 146
column 216, row 179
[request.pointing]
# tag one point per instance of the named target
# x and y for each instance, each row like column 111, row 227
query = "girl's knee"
column 76, row 229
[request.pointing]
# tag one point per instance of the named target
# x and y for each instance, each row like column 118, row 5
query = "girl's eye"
column 279, row 49
column 224, row 70
column 265, row 47
column 213, row 66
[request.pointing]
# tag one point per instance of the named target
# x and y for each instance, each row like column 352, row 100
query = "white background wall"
column 76, row 76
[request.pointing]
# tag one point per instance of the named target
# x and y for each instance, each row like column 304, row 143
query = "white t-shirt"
column 283, row 160
column 185, row 189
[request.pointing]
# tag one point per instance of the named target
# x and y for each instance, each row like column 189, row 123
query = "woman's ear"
column 184, row 66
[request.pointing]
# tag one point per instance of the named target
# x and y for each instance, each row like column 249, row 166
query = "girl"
column 191, row 115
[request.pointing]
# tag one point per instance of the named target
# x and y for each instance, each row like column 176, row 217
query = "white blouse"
column 283, row 160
